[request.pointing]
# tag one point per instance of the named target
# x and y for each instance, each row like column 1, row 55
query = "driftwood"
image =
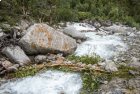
column 74, row 67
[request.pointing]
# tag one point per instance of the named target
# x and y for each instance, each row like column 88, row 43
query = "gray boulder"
column 41, row 39
column 71, row 31
column 16, row 54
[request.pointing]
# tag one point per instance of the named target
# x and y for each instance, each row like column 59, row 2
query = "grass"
column 84, row 59
column 91, row 79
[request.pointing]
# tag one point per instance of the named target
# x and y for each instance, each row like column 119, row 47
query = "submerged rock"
column 16, row 54
column 41, row 38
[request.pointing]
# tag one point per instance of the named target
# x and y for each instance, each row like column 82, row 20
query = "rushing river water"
column 104, row 45
column 49, row 82
column 56, row 82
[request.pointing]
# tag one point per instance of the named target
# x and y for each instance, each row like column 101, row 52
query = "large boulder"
column 73, row 32
column 16, row 54
column 41, row 38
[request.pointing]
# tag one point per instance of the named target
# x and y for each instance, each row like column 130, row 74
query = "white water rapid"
column 49, row 82
column 104, row 45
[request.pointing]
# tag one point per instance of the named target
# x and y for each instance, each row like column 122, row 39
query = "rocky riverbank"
column 105, row 50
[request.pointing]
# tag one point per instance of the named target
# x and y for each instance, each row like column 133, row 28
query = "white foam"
column 50, row 82
column 82, row 26
column 106, row 46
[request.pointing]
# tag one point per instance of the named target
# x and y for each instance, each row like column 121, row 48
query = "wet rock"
column 97, row 25
column 16, row 54
column 71, row 31
column 41, row 39
column 40, row 58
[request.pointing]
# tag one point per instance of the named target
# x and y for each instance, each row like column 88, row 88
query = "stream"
column 49, row 82
column 57, row 82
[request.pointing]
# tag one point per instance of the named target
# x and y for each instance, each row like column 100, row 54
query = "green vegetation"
column 53, row 11
column 84, row 59
column 24, row 72
column 91, row 79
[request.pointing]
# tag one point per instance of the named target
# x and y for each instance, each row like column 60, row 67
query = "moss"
column 85, row 59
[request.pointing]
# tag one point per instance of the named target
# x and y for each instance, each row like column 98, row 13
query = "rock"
column 110, row 66
column 71, row 31
column 13, row 68
column 116, row 28
column 0, row 30
column 40, row 58
column 134, row 83
column 115, row 86
column 134, row 73
column 16, row 54
column 97, row 25
column 41, row 39
column 134, row 63
column 2, row 34
column 24, row 24
column 51, row 57
column 6, row 64
column 106, row 23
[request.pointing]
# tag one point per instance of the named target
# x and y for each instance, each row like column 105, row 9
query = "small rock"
column 51, row 57
column 24, row 24
column 12, row 68
column 6, row 64
column 89, row 65
column 40, row 58
column 111, row 66
column 2, row 72
column 79, row 63
column 0, row 30
column 79, row 41
column 134, row 63
column 83, row 65
column 1, row 34
column 133, row 72
column 16, row 54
